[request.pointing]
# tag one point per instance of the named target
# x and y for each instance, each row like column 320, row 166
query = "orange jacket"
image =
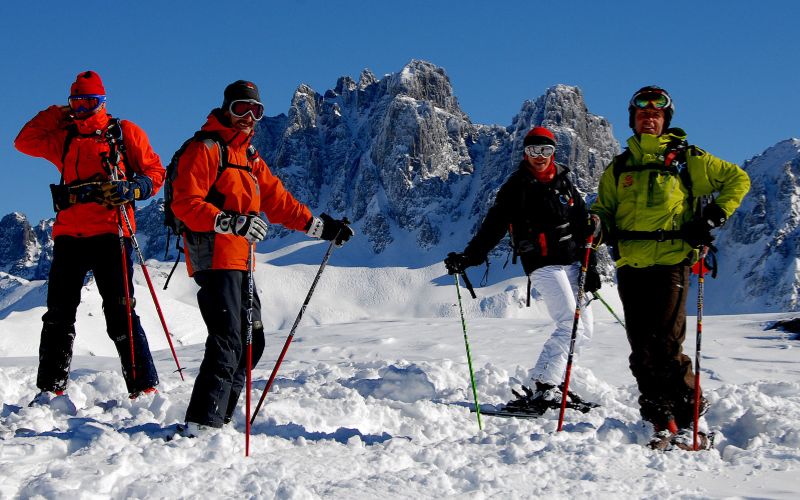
column 243, row 192
column 44, row 137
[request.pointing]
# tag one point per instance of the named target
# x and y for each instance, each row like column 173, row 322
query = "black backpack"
column 174, row 225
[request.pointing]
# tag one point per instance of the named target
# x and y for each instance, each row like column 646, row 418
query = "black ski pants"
column 654, row 301
column 73, row 258
column 223, row 302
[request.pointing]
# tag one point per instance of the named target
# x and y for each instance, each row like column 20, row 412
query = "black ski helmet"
column 653, row 89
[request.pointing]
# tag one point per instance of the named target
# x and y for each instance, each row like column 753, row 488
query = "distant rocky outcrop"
column 399, row 157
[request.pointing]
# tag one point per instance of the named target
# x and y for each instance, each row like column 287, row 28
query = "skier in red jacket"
column 220, row 189
column 81, row 140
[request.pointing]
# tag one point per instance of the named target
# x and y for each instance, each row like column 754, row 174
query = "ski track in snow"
column 378, row 407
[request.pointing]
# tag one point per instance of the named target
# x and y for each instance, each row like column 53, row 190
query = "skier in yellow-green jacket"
column 652, row 201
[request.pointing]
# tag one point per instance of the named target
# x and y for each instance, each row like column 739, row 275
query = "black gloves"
column 456, row 263
column 713, row 215
column 593, row 227
column 330, row 229
column 697, row 232
column 251, row 227
column 592, row 281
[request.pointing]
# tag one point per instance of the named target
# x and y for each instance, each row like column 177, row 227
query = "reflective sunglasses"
column 650, row 99
column 240, row 108
column 543, row 150
column 86, row 103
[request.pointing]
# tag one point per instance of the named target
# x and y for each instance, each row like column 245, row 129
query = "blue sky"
column 731, row 67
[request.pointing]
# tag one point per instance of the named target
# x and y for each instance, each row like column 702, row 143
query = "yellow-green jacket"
column 651, row 198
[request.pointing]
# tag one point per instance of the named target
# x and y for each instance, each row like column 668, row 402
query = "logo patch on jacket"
column 627, row 181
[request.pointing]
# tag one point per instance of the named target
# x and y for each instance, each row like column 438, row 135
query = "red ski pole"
column 294, row 327
column 700, row 285
column 142, row 264
column 578, row 301
column 123, row 254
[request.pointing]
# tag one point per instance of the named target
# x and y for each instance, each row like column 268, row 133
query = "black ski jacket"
column 546, row 221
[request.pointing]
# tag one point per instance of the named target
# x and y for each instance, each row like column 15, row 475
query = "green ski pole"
column 598, row 297
column 469, row 356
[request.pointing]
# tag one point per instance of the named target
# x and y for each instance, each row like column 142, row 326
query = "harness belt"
column 659, row 235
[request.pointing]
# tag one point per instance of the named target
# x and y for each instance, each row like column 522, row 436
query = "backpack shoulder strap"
column 620, row 164
column 116, row 140
column 72, row 131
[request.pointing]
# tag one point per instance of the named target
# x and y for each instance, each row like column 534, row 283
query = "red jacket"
column 244, row 192
column 44, row 137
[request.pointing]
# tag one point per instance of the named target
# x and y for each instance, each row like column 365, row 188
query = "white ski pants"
column 558, row 286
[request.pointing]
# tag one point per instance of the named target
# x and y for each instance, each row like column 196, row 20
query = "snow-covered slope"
column 372, row 401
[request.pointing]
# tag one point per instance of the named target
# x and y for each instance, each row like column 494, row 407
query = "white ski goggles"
column 543, row 150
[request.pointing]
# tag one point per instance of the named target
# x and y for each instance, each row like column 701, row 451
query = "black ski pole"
column 294, row 326
column 578, row 300
column 249, row 344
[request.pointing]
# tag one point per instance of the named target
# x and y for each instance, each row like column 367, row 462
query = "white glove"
column 252, row 227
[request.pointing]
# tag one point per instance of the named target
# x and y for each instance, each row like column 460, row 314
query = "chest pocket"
column 661, row 186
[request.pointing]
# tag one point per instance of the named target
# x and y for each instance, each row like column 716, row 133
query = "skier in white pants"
column 558, row 286
column 549, row 224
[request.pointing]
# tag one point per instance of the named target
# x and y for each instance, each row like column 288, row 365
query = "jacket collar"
column 525, row 170
column 90, row 125
column 647, row 148
column 216, row 123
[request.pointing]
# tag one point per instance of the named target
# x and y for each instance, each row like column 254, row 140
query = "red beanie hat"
column 539, row 135
column 87, row 82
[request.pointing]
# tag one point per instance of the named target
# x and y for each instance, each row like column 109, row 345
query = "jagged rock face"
column 27, row 252
column 399, row 153
column 760, row 244
column 151, row 233
column 19, row 247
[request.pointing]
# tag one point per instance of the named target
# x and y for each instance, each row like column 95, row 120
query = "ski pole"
column 249, row 344
column 596, row 295
column 146, row 273
column 112, row 171
column 294, row 326
column 700, row 285
column 128, row 311
column 578, row 300
column 469, row 356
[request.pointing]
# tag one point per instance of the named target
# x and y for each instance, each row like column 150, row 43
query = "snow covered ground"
column 372, row 401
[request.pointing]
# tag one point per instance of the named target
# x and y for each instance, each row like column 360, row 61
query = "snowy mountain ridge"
column 404, row 163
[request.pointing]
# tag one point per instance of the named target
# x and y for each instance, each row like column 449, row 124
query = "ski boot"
column 662, row 435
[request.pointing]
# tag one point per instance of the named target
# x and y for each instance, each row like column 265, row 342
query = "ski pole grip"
column 468, row 285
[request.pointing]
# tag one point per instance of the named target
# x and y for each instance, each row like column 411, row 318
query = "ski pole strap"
column 528, row 302
column 468, row 285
